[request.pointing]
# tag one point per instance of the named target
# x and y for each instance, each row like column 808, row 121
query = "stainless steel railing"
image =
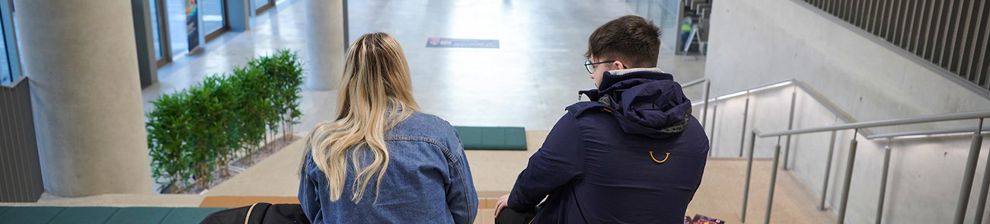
column 966, row 186
column 857, row 127
column 747, row 93
column 708, row 89
column 952, row 34
column 925, row 134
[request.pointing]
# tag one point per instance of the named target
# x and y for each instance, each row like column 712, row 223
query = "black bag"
column 259, row 213
column 511, row 216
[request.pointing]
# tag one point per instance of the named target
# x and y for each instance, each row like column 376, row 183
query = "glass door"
column 9, row 62
column 214, row 17
column 161, row 44
column 262, row 5
column 175, row 11
column 6, row 76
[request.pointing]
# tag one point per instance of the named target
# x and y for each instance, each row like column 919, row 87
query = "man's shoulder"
column 694, row 137
column 581, row 108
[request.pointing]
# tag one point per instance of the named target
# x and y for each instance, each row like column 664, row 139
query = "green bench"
column 102, row 215
column 492, row 138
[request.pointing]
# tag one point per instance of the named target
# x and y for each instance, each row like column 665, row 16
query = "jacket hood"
column 645, row 101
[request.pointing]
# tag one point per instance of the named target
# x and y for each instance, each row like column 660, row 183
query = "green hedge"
column 194, row 132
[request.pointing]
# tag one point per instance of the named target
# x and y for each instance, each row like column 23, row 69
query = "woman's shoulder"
column 424, row 125
column 427, row 119
column 309, row 168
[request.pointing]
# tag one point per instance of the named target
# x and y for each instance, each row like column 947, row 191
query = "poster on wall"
column 192, row 24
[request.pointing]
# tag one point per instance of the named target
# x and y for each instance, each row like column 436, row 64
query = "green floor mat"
column 98, row 215
column 29, row 215
column 84, row 215
column 139, row 215
column 188, row 215
column 492, row 138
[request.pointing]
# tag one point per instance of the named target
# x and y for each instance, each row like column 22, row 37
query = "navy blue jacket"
column 606, row 160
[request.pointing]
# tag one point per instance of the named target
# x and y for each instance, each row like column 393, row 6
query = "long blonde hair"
column 375, row 94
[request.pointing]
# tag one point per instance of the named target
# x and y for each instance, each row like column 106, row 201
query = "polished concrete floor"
column 527, row 82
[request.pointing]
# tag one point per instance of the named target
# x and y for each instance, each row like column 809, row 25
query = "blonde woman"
column 381, row 161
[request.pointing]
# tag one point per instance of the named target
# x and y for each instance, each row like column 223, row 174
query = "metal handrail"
column 857, row 127
column 884, row 123
column 766, row 87
column 800, row 85
column 693, row 82
column 757, row 89
column 704, row 111
column 926, row 134
column 966, row 187
column 828, row 105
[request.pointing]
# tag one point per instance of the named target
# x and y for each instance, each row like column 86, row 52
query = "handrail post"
column 704, row 111
column 790, row 126
column 967, row 184
column 749, row 174
column 848, row 178
column 828, row 170
column 883, row 181
column 773, row 181
column 742, row 135
column 711, row 142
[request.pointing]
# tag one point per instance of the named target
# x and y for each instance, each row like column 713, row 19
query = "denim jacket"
column 427, row 181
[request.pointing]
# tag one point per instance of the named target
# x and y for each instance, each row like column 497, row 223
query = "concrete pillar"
column 81, row 59
column 326, row 46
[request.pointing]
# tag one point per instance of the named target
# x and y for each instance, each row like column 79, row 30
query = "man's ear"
column 618, row 65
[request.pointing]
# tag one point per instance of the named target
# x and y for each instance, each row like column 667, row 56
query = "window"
column 156, row 30
column 6, row 76
column 9, row 63
column 261, row 5
column 214, row 17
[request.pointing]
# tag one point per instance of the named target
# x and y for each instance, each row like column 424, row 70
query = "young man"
column 633, row 154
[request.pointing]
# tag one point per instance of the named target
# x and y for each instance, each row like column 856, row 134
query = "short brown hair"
column 630, row 39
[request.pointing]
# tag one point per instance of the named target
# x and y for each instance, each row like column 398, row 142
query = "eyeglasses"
column 590, row 66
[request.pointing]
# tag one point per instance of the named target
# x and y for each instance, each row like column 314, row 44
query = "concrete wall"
column 757, row 42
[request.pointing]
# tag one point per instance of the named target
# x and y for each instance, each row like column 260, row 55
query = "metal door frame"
column 226, row 23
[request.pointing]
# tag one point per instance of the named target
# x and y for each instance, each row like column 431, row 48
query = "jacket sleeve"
column 462, row 199
column 557, row 162
column 309, row 198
